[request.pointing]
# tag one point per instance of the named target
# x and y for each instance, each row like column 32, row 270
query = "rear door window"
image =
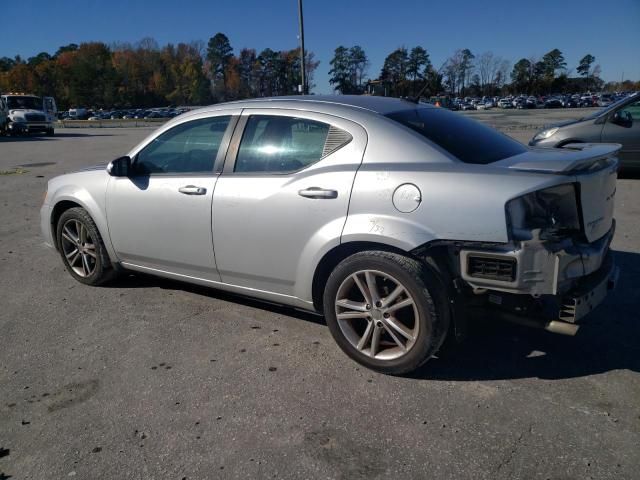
column 280, row 144
column 466, row 139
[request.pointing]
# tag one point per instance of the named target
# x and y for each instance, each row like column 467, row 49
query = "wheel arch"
column 56, row 212
column 333, row 257
column 435, row 259
column 66, row 200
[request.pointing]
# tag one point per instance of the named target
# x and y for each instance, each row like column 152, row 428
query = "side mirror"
column 120, row 167
column 622, row 118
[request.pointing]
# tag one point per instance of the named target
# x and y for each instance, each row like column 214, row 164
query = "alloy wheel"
column 79, row 248
column 377, row 314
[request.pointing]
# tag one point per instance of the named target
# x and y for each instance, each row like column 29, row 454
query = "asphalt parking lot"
column 147, row 378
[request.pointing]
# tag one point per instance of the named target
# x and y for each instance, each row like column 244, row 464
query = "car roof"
column 381, row 105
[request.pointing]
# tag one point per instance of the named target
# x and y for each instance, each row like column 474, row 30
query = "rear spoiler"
column 595, row 155
column 573, row 157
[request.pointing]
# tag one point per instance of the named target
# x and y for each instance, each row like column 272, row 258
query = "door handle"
column 192, row 190
column 317, row 192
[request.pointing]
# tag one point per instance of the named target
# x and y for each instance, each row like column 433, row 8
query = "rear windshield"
column 467, row 140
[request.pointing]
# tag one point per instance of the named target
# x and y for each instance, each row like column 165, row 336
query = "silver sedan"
column 398, row 221
column 619, row 123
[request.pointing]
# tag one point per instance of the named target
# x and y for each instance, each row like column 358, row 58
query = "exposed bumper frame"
column 543, row 267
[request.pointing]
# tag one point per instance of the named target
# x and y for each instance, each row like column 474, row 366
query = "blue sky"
column 512, row 29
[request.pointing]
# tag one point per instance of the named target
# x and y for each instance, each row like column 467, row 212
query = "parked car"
column 504, row 103
column 618, row 123
column 351, row 206
column 570, row 102
column 553, row 102
column 531, row 102
column 78, row 114
column 605, row 100
column 587, row 101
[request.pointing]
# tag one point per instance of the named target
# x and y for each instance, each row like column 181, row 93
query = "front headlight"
column 17, row 119
column 543, row 135
column 552, row 211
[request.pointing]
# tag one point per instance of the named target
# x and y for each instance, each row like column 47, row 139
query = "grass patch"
column 15, row 171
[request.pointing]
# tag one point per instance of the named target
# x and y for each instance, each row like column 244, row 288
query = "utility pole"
column 303, row 86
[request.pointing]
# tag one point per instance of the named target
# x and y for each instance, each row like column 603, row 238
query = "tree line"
column 407, row 72
column 145, row 75
column 197, row 73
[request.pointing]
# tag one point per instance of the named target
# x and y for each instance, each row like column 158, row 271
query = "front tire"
column 81, row 247
column 386, row 311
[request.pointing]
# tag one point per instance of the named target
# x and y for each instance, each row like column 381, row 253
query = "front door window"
column 191, row 147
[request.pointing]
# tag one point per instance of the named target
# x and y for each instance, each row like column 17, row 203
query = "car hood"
column 572, row 158
column 565, row 123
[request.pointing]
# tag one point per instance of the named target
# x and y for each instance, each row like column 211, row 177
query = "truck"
column 25, row 113
column 3, row 115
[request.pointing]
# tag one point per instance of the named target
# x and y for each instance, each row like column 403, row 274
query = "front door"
column 160, row 217
column 627, row 135
column 284, row 194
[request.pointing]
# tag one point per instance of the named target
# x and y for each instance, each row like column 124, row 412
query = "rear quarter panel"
column 460, row 201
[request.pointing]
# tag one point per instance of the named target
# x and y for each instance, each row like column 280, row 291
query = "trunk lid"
column 593, row 167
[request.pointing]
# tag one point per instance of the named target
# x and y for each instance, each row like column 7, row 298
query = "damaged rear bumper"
column 537, row 267
column 552, row 285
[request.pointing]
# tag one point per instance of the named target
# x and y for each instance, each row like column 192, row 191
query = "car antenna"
column 416, row 98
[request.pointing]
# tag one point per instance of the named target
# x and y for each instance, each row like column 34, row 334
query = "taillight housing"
column 554, row 212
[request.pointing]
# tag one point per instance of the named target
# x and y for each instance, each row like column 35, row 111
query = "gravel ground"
column 148, row 378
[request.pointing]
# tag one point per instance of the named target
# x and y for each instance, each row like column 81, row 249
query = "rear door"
column 627, row 136
column 283, row 196
column 160, row 216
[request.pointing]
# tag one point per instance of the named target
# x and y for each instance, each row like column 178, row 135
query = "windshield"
column 32, row 103
column 467, row 140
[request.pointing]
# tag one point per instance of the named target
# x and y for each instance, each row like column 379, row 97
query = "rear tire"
column 386, row 311
column 82, row 249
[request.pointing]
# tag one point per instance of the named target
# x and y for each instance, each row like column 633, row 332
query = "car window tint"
column 190, row 147
column 466, row 139
column 280, row 144
column 634, row 110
